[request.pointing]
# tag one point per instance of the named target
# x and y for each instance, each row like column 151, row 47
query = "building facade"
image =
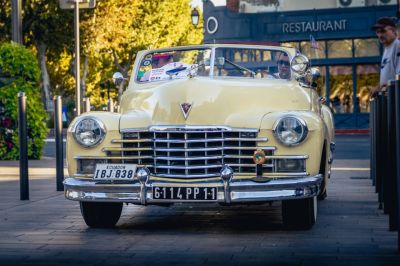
column 335, row 34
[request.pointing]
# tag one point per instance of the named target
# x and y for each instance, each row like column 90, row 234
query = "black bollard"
column 379, row 148
column 23, row 147
column 59, row 143
column 383, row 151
column 373, row 140
column 391, row 157
column 397, row 197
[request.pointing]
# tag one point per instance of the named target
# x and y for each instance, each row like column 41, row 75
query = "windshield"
column 228, row 62
column 174, row 64
column 258, row 63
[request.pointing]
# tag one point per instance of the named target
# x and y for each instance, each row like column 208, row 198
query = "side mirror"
column 118, row 78
column 300, row 64
column 315, row 74
column 220, row 61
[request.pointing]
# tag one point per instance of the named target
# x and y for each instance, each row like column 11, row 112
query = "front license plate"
column 114, row 171
column 185, row 193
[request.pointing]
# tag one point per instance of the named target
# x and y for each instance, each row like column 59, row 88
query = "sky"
column 199, row 3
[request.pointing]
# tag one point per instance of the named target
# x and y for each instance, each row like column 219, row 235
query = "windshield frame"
column 212, row 59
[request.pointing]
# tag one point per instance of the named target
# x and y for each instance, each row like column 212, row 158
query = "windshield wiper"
column 253, row 74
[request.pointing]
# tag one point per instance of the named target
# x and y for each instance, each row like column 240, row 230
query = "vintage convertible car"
column 228, row 124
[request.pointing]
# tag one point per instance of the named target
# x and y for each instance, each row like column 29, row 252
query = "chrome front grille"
column 191, row 152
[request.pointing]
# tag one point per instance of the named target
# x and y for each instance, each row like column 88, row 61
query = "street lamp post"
column 77, row 60
column 76, row 5
column 16, row 28
column 195, row 17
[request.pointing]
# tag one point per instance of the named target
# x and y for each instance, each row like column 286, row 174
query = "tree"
column 46, row 26
column 121, row 28
column 111, row 35
column 20, row 72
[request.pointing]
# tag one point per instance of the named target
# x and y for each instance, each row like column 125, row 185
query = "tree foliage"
column 19, row 72
column 119, row 29
column 111, row 35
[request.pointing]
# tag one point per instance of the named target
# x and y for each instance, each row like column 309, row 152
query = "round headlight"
column 300, row 64
column 89, row 132
column 290, row 130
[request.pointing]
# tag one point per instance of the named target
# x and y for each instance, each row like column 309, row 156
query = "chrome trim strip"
column 240, row 190
column 188, row 129
column 188, row 176
column 126, row 149
column 286, row 174
column 195, row 129
column 170, row 158
column 247, row 165
column 176, row 176
column 112, row 157
column 131, row 130
column 286, row 156
column 191, row 149
column 247, row 139
column 130, row 140
column 188, row 167
column 203, row 158
column 187, row 141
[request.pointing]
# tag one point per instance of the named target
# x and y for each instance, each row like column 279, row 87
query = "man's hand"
column 374, row 92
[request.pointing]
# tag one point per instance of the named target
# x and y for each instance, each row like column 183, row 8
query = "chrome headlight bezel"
column 301, row 122
column 100, row 128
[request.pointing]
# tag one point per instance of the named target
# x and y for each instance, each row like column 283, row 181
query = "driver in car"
column 283, row 67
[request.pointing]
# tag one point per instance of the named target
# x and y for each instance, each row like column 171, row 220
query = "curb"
column 352, row 131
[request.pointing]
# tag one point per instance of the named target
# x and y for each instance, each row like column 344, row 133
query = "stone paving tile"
column 49, row 230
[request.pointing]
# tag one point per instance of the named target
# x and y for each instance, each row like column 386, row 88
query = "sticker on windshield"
column 146, row 62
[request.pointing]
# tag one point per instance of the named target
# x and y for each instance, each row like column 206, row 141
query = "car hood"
column 223, row 102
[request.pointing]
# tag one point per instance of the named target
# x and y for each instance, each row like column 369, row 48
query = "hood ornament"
column 185, row 108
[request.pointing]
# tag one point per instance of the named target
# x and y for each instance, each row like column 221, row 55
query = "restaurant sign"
column 314, row 26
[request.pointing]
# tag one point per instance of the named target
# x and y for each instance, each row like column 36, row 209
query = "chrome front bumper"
column 233, row 191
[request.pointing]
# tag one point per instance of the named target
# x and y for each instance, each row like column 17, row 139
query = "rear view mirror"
column 220, row 61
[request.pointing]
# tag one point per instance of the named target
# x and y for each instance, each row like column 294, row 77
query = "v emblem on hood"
column 185, row 108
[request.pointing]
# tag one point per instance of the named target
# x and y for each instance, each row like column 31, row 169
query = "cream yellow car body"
column 251, row 103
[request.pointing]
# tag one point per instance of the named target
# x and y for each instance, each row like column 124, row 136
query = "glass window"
column 340, row 49
column 238, row 57
column 341, row 89
column 274, row 64
column 245, row 57
column 170, row 64
column 366, row 47
column 267, row 55
column 367, row 78
column 291, row 45
column 317, row 52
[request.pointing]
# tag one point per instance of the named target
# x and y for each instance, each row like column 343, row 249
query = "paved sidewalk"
column 49, row 230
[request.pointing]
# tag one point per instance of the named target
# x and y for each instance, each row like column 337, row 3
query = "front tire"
column 101, row 214
column 299, row 214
